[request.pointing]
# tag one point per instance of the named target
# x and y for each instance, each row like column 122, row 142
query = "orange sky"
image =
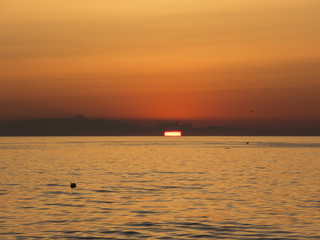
column 168, row 59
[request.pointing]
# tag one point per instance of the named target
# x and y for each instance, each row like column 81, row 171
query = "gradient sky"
column 160, row 59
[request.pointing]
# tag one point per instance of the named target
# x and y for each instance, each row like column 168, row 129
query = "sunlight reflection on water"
column 159, row 188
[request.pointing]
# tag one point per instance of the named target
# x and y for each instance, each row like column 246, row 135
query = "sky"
column 160, row 59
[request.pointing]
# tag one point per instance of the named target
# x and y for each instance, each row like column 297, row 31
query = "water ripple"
column 190, row 188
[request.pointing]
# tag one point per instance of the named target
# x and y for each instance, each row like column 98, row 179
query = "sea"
column 160, row 187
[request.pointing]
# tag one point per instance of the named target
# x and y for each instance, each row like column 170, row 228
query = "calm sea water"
column 160, row 188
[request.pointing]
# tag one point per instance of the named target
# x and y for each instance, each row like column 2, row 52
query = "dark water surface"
column 160, row 188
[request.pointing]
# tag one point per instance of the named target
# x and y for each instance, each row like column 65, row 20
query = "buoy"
column 73, row 185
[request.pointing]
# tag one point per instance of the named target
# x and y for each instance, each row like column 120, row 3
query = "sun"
column 172, row 133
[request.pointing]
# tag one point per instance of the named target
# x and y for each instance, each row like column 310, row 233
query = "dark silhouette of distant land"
column 81, row 126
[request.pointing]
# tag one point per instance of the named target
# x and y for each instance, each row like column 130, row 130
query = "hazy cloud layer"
column 160, row 59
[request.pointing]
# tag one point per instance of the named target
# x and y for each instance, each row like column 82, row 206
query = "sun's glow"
column 172, row 133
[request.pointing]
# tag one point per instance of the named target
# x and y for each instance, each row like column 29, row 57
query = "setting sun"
column 172, row 133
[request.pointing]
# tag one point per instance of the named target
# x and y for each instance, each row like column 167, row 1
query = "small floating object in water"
column 73, row 185
column 247, row 142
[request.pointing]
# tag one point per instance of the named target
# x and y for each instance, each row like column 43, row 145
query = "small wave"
column 169, row 187
column 130, row 232
column 103, row 191
column 143, row 224
column 65, row 205
column 54, row 192
column 99, row 201
column 54, row 185
column 58, row 221
column 110, row 232
column 146, row 212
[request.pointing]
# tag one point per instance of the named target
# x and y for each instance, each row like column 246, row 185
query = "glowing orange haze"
column 164, row 59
